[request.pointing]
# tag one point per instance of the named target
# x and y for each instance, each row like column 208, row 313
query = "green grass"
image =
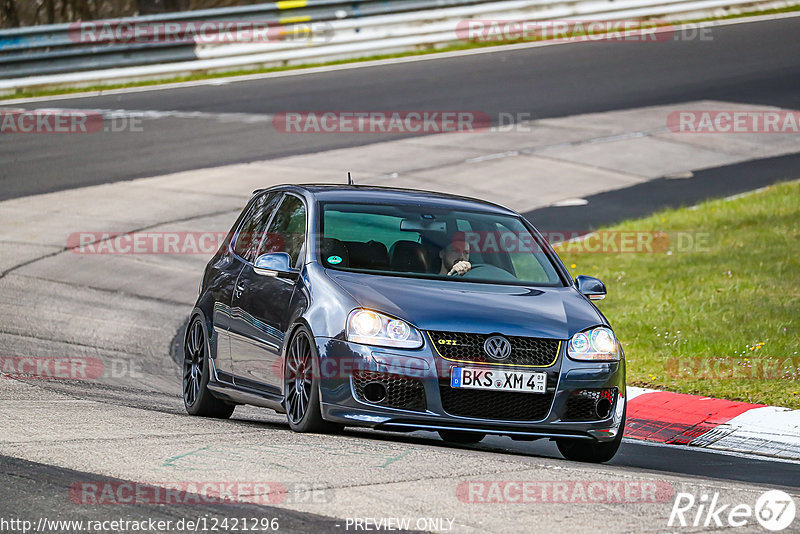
column 734, row 303
column 427, row 49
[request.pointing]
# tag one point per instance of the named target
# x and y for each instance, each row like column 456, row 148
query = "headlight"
column 595, row 344
column 373, row 328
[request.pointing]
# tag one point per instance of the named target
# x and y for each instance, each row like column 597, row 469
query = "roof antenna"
column 349, row 179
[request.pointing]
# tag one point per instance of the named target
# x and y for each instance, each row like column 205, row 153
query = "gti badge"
column 497, row 348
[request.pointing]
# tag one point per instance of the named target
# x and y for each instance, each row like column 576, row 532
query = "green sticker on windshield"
column 334, row 259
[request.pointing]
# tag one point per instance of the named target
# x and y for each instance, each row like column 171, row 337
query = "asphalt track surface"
column 34, row 490
column 40, row 490
column 37, row 489
column 643, row 199
column 756, row 63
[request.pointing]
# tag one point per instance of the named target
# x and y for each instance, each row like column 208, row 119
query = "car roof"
column 391, row 195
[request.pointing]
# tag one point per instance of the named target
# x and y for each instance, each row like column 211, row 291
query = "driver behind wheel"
column 455, row 257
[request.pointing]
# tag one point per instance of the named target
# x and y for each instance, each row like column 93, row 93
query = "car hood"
column 554, row 312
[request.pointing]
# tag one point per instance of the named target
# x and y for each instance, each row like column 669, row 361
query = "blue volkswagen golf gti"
column 403, row 310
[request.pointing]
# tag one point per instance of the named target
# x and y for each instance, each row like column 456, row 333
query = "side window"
column 473, row 239
column 254, row 225
column 287, row 232
column 526, row 264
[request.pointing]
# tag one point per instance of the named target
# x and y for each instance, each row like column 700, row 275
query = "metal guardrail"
column 53, row 49
column 44, row 56
column 57, row 34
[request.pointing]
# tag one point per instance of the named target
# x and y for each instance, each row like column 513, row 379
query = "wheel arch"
column 208, row 325
column 299, row 321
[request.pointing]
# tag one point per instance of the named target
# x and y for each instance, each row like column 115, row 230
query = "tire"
column 196, row 372
column 591, row 452
column 461, row 437
column 301, row 386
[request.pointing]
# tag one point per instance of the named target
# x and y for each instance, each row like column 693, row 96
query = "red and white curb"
column 680, row 419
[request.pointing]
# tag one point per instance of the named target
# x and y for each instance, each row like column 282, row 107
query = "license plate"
column 498, row 380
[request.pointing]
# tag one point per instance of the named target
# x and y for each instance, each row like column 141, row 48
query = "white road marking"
column 153, row 114
column 634, row 392
column 496, row 155
column 569, row 202
column 680, row 175
column 740, row 195
column 175, row 114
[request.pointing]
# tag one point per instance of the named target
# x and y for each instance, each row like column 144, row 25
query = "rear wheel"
column 461, row 437
column 301, row 386
column 196, row 396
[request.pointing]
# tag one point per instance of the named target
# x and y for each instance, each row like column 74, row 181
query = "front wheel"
column 592, row 452
column 196, row 396
column 301, row 386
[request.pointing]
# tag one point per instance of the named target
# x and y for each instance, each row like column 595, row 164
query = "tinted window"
column 287, row 231
column 253, row 227
column 364, row 227
column 524, row 266
column 419, row 241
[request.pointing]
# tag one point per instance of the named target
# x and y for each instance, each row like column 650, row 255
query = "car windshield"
column 433, row 242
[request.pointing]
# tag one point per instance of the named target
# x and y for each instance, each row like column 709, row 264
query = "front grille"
column 461, row 346
column 498, row 405
column 401, row 392
column 581, row 404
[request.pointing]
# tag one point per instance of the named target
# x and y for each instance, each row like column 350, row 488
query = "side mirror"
column 274, row 264
column 593, row 288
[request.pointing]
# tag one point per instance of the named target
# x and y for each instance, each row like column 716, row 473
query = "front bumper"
column 339, row 360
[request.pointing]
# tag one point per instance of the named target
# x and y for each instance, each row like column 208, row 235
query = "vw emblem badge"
column 497, row 348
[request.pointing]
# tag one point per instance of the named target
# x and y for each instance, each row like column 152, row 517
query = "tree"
column 147, row 7
column 8, row 14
